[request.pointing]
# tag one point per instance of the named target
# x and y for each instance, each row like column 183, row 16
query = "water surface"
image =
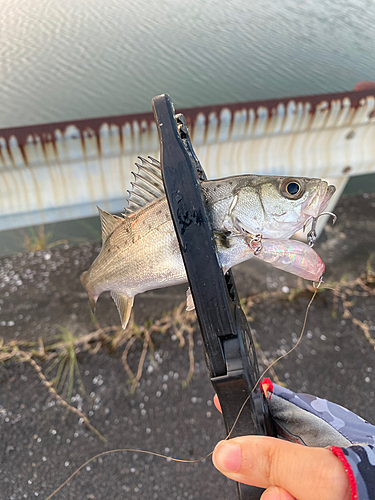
column 78, row 59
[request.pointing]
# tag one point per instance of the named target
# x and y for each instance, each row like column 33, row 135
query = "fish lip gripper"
column 228, row 343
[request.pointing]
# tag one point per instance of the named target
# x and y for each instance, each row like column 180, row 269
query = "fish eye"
column 292, row 189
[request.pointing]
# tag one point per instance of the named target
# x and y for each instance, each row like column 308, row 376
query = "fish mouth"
column 326, row 197
column 319, row 202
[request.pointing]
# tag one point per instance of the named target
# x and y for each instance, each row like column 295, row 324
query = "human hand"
column 287, row 470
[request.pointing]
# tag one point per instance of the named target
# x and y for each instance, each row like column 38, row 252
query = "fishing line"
column 172, row 459
column 275, row 361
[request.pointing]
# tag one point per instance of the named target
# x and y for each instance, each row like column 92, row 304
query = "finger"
column 306, row 473
column 217, row 403
column 275, row 493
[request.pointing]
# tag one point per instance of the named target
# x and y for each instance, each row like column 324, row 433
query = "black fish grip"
column 228, row 343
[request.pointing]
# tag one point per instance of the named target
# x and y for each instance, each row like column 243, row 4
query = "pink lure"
column 294, row 257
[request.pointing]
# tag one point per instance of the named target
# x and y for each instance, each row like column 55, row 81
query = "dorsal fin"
column 147, row 185
column 109, row 223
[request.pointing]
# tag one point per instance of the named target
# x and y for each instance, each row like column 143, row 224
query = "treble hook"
column 311, row 235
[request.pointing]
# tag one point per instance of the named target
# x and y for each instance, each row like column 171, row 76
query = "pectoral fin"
column 124, row 305
column 190, row 306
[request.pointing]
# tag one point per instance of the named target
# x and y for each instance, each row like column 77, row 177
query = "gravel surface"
column 41, row 444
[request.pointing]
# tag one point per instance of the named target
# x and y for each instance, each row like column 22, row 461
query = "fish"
column 250, row 216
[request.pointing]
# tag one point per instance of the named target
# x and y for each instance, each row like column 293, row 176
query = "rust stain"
column 284, row 118
column 303, row 146
column 102, row 180
column 206, row 126
column 45, row 143
column 247, row 122
column 231, row 125
column 10, row 154
column 24, row 185
column 88, row 176
column 271, row 116
column 251, row 124
column 326, row 108
column 37, row 191
column 54, row 147
column 24, row 155
column 299, row 119
column 313, row 100
column 2, row 159
column 99, row 145
column 121, row 167
column 60, row 168
column 121, row 139
column 218, row 126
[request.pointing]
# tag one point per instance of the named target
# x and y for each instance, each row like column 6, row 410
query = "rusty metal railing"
column 63, row 170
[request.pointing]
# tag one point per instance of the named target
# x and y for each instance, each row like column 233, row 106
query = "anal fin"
column 124, row 305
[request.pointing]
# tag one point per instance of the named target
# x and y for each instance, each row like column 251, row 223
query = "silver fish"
column 140, row 251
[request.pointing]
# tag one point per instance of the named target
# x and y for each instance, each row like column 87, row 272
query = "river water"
column 78, row 59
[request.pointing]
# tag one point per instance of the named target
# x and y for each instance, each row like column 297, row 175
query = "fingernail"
column 227, row 457
column 271, row 494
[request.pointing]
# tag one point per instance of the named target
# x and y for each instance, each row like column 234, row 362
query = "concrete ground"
column 41, row 444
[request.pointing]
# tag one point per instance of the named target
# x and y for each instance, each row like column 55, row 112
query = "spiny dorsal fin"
column 124, row 305
column 147, row 185
column 109, row 223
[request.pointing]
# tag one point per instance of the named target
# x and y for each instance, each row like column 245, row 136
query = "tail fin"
column 124, row 305
column 92, row 298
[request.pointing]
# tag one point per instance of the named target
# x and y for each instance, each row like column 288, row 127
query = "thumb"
column 306, row 473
